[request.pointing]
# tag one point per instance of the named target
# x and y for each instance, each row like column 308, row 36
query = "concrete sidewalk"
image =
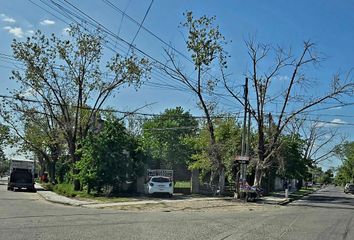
column 56, row 198
column 278, row 200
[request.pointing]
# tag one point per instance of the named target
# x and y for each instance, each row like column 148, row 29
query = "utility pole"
column 248, row 143
column 244, row 145
column 244, row 134
column 245, row 95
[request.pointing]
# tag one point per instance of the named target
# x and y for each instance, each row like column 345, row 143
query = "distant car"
column 349, row 188
column 160, row 184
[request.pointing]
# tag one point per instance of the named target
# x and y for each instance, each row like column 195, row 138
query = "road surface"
column 327, row 214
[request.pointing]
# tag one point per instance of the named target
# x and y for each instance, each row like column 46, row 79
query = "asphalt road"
column 327, row 214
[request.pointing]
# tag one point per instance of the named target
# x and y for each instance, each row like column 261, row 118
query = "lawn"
column 67, row 189
column 183, row 184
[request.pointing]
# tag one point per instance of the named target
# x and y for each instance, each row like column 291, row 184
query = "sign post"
column 243, row 161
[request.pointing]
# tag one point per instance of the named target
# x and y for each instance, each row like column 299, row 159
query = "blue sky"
column 328, row 23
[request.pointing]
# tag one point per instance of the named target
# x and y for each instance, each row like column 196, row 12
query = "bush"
column 48, row 186
column 65, row 189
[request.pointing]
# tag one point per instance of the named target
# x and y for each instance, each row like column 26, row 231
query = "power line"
column 228, row 115
column 140, row 25
column 173, row 87
column 94, row 23
column 116, row 8
column 24, row 99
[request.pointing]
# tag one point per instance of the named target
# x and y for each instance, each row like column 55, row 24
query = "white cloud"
column 29, row 32
column 47, row 22
column 338, row 121
column 65, row 31
column 335, row 108
column 283, row 78
column 16, row 31
column 334, row 123
column 7, row 19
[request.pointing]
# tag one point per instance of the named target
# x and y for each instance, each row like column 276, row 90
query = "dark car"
column 349, row 188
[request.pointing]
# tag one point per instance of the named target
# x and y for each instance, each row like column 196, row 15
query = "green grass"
column 297, row 194
column 67, row 189
column 183, row 184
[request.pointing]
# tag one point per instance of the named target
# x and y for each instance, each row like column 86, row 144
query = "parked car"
column 349, row 188
column 160, row 184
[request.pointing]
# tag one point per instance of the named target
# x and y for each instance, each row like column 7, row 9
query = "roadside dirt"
column 202, row 206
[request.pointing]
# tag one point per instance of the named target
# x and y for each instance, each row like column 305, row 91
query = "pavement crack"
column 347, row 228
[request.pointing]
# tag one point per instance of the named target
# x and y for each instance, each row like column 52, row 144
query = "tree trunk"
column 222, row 180
column 88, row 188
column 74, row 158
column 261, row 151
column 51, row 171
column 258, row 175
column 77, row 184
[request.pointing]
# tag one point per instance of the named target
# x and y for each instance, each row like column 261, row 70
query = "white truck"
column 21, row 175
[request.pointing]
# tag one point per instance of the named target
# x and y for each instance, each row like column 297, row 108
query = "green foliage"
column 66, row 78
column 164, row 137
column 183, row 184
column 4, row 137
column 109, row 157
column 204, row 40
column 292, row 163
column 4, row 134
column 345, row 172
column 327, row 177
column 4, row 163
column 228, row 141
column 65, row 189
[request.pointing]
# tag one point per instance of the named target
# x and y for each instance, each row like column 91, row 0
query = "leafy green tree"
column 205, row 43
column 345, row 172
column 292, row 165
column 4, row 163
column 66, row 81
column 163, row 138
column 109, row 157
column 228, row 140
column 4, row 137
column 327, row 177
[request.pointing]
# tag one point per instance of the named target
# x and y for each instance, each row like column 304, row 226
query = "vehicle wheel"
column 170, row 195
column 9, row 189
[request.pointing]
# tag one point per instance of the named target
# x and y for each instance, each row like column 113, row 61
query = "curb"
column 60, row 202
column 285, row 202
column 78, row 203
column 289, row 200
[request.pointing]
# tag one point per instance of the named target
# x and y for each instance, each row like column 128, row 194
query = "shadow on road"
column 330, row 199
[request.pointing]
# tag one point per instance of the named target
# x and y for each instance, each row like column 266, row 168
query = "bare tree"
column 295, row 88
column 320, row 139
